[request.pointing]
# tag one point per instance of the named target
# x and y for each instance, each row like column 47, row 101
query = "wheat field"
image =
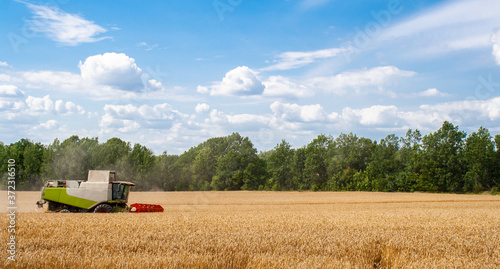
column 265, row 230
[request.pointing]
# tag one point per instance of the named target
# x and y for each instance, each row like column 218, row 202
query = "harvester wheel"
column 64, row 211
column 103, row 208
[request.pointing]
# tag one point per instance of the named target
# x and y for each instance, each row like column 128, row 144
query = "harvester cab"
column 100, row 193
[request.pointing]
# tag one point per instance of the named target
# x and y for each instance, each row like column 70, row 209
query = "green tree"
column 442, row 163
column 350, row 155
column 255, row 175
column 410, row 155
column 141, row 158
column 316, row 163
column 138, row 165
column 29, row 160
column 385, row 165
column 279, row 166
column 298, row 167
column 71, row 159
column 237, row 153
column 479, row 157
column 32, row 166
column 111, row 152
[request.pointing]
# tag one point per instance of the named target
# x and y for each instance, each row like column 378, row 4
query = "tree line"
column 447, row 160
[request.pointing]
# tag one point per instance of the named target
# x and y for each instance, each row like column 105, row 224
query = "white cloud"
column 42, row 105
column 7, row 104
column 3, row 64
column 155, row 85
column 461, row 112
column 10, row 91
column 48, row 125
column 55, row 79
column 244, row 81
column 202, row 89
column 375, row 77
column 68, row 108
column 67, row 29
column 45, row 105
column 104, row 76
column 455, row 25
column 202, row 108
column 282, row 86
column 219, row 123
column 239, row 81
column 5, row 78
column 295, row 59
column 11, row 99
column 433, row 92
column 147, row 46
column 295, row 112
column 495, row 39
column 112, row 69
column 377, row 115
column 426, row 117
column 110, row 124
column 129, row 118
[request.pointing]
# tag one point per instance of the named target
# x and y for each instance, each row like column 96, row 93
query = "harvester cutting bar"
column 142, row 208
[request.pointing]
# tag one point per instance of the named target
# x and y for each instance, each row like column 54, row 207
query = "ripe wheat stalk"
column 269, row 230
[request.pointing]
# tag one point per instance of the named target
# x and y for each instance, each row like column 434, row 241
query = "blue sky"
column 171, row 74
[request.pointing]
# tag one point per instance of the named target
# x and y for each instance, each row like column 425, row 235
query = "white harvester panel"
column 96, row 188
column 94, row 191
column 101, row 176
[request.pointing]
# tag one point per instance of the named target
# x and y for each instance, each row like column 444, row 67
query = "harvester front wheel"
column 104, row 208
column 64, row 211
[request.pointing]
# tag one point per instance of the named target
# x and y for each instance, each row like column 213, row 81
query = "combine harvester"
column 101, row 193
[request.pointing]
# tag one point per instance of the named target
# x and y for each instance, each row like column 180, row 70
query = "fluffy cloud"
column 239, row 81
column 62, row 27
column 202, row 89
column 106, row 76
column 42, row 105
column 244, row 81
column 202, row 108
column 10, row 91
column 295, row 59
column 113, row 69
column 129, row 118
column 54, row 79
column 433, row 92
column 376, row 77
column 282, row 86
column 7, row 104
column 449, row 27
column 294, row 112
column 495, row 39
column 48, row 125
column 426, row 117
column 380, row 116
column 37, row 105
column 155, row 85
column 68, row 108
column 461, row 112
column 218, row 123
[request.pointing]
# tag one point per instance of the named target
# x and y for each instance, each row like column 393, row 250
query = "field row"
column 270, row 230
